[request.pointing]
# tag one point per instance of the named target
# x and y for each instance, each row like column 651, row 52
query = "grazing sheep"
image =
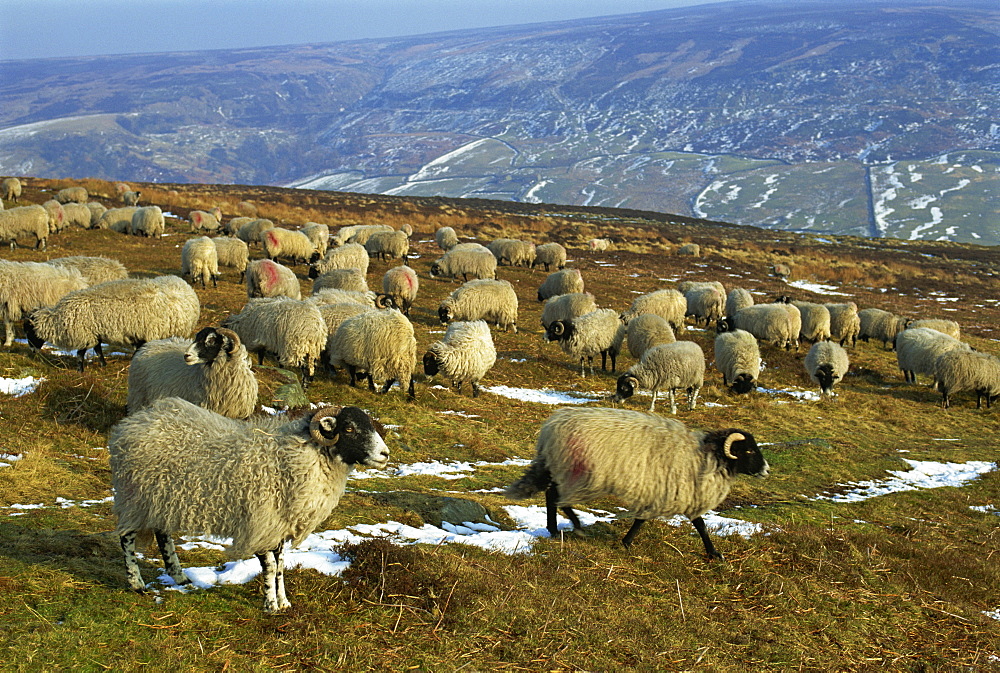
column 736, row 299
column 379, row 343
column 599, row 244
column 949, row 327
column 959, row 370
column 668, row 304
column 474, row 261
column 117, row 219
column 265, row 278
column 656, row 465
column 213, row 371
column 363, row 232
column 386, row 245
column 588, row 335
column 291, row 330
column 131, row 198
column 287, row 244
column 262, row 482
column 96, row 211
column 769, row 323
column 737, row 356
column 513, row 251
column 918, row 348
column 77, row 215
column 645, row 331
column 446, row 238
column 674, row 366
column 127, row 312
column 782, row 271
column 491, row 300
column 705, row 304
column 347, row 256
column 815, row 321
column 874, row 323
column 72, row 195
column 26, row 286
column 233, row 253
column 333, row 315
column 57, row 215
column 11, row 189
column 93, row 269
column 691, row 250
column 794, row 318
column 566, row 281
column 25, row 221
column 567, row 307
column 204, row 221
column 550, row 255
column 826, row 363
column 341, row 279
column 400, row 284
column 231, row 227
column 406, row 228
column 845, row 325
column 250, row 232
column 465, row 353
column 200, row 261
column 318, row 234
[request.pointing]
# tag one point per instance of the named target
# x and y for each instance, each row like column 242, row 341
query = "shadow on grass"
column 87, row 405
column 92, row 557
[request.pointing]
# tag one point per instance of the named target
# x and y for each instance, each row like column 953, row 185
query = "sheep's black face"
column 826, row 378
column 625, row 387
column 559, row 330
column 208, row 343
column 722, row 325
column 748, row 458
column 35, row 341
column 313, row 272
column 435, row 269
column 743, row 384
column 444, row 314
column 359, row 441
column 431, row 364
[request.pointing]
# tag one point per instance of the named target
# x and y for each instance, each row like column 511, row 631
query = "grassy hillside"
column 906, row 580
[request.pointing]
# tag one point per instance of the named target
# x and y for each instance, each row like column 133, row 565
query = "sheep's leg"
column 673, row 401
column 604, row 361
column 8, row 331
column 279, row 557
column 582, row 371
column 100, row 354
column 699, row 525
column 614, row 358
column 574, row 519
column 387, row 386
column 352, row 374
column 82, row 359
column 171, row 564
column 132, row 574
column 630, row 535
column 475, row 389
column 371, row 383
column 693, row 397
column 652, row 403
column 551, row 498
column 410, row 392
column 269, row 573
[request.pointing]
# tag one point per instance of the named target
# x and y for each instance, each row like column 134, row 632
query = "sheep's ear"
column 230, row 340
column 323, row 426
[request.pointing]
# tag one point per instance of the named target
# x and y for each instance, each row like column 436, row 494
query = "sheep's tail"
column 537, row 478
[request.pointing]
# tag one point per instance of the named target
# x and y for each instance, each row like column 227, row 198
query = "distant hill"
column 875, row 119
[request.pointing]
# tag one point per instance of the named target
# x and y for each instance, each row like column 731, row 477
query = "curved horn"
column 558, row 328
column 727, row 447
column 231, row 335
column 383, row 301
column 323, row 426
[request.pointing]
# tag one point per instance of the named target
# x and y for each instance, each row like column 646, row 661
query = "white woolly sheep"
column 643, row 332
column 769, row 323
column 200, row 261
column 26, row 286
column 379, row 343
column 24, row 221
column 94, row 269
column 687, row 285
column 232, row 253
column 446, row 238
column 550, row 255
column 567, row 307
column 794, row 318
column 690, row 249
column 588, row 335
column 599, row 244
column 341, row 279
column 845, row 325
column 131, row 198
column 566, row 281
column 265, row 278
column 826, row 363
column 231, row 227
column 117, row 219
column 77, row 215
column 250, row 232
column 213, row 371
column 781, row 270
column 514, row 252
column 491, row 300
column 127, row 312
column 668, row 304
column 318, row 234
column 466, row 353
column 96, row 211
column 400, row 284
column 705, row 304
column 874, row 323
column 262, row 482
column 286, row 244
column 949, row 327
column 11, row 189
column 674, row 366
column 347, row 256
column 333, row 315
column 656, row 465
column 72, row 195
column 386, row 245
column 737, row 356
column 815, row 321
column 468, row 262
column 57, row 215
column 959, row 370
column 204, row 221
column 736, row 299
column 918, row 348
column 363, row 232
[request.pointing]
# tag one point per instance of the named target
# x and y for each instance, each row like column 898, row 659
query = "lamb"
column 959, row 370
column 466, row 353
column 11, row 189
column 674, row 366
column 250, row 232
column 232, row 253
column 567, row 307
column 643, row 332
column 513, row 251
column 918, row 348
column 318, row 234
column 845, row 325
column 550, row 254
column 127, row 312
column 690, row 249
column 57, row 215
column 262, row 482
column 446, row 238
column 379, row 343
column 213, row 371
column 400, row 284
column 341, row 279
column 23, row 221
column 204, row 221
column 291, row 330
column 468, row 262
column 826, row 363
column 72, row 195
column 815, row 321
column 287, row 244
column 588, row 335
column 736, row 299
column 566, row 281
column 131, row 198
column 737, row 356
column 769, row 323
column 490, row 300
column 705, row 304
column 347, row 256
column 949, row 327
column 93, row 269
column 265, row 278
column 656, row 465
column 200, row 261
column 26, row 286
column 117, row 219
column 388, row 245
column 668, row 304
column 599, row 244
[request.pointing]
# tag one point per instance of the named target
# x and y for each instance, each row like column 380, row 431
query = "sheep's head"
column 625, row 388
column 209, row 343
column 436, row 270
column 385, row 301
column 738, row 450
column 432, row 363
column 444, row 313
column 34, row 341
column 827, row 378
column 559, row 329
column 723, row 325
column 743, row 383
column 349, row 434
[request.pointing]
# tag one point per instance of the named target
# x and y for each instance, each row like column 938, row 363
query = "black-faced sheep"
column 826, row 363
column 643, row 332
column 737, row 356
column 736, row 299
column 491, row 300
column 588, row 335
column 769, row 323
column 466, row 353
column 672, row 367
column 959, row 370
column 379, row 343
column 550, row 255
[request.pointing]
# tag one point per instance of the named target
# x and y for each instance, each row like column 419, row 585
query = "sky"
column 57, row 28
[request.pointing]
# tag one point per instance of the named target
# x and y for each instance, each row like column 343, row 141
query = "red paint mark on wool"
column 196, row 217
column 271, row 237
column 576, row 450
column 271, row 273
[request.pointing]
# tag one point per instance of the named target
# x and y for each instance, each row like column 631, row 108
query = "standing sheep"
column 265, row 278
column 200, row 261
column 11, row 189
column 959, row 370
column 474, row 261
column 446, row 238
column 250, row 232
column 96, row 211
column 949, row 327
column 204, row 221
column 293, row 331
column 262, row 482
column 674, row 366
column 147, row 221
column 845, row 325
column 705, row 304
column 72, row 195
column 386, row 245
column 318, row 234
column 347, row 256
column 232, row 253
column 400, row 284
column 736, row 299
column 599, row 244
column 26, row 286
column 566, row 281
column 770, row 323
column 737, row 356
column 815, row 321
column 25, row 221
column 117, row 219
column 668, row 304
column 656, row 465
column 287, row 244
column 513, row 251
column 874, row 323
column 550, row 255
column 465, row 353
column 645, row 331
column 588, row 335
column 826, row 363
column 490, row 300
column 131, row 198
column 567, row 307
column 690, row 249
column 77, row 215
column 57, row 215
column 918, row 348
column 379, row 343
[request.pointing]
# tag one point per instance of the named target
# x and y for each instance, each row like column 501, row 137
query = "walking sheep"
column 213, row 371
column 550, row 255
column 265, row 278
column 656, row 466
column 347, row 256
column 474, row 262
column 586, row 336
column 262, row 482
column 675, row 366
column 874, row 323
column 959, row 370
column 465, row 353
column 379, row 343
column 446, row 238
column 491, row 300
column 400, row 284
column 668, row 304
column 200, row 261
column 26, row 286
column 566, row 281
column 826, row 363
column 567, row 307
column 737, row 356
column 287, row 244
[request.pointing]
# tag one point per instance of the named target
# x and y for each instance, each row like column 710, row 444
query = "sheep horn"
column 726, row 448
column 231, row 335
column 383, row 301
column 323, row 425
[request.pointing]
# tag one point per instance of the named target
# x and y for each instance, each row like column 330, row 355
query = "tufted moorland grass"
column 899, row 581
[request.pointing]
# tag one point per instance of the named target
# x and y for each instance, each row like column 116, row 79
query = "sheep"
column 26, row 286
column 599, row 244
column 318, row 234
column 127, row 312
column 117, row 219
column 400, row 284
column 588, row 335
column 826, row 363
column 567, row 307
column 466, row 353
column 656, row 465
column 643, row 332
column 490, row 300
column 668, row 304
column 77, row 215
column 468, row 262
column 131, row 198
column 250, row 232
column 57, row 215
column 291, row 330
column 204, row 221
column 347, row 256
column 332, row 295
column 341, row 279
column 737, row 356
column 690, row 249
column 446, row 238
column 794, row 318
column 550, row 254
column 333, row 315
column 949, row 327
column 379, row 343
column 200, row 261
column 287, row 244
column 265, row 278
column 22, row 221
column 959, row 370
column 261, row 482
column 213, row 371
column 769, row 323
column 347, row 234
column 96, row 211
column 705, row 303
column 674, row 366
column 513, row 251
column 566, row 281
column 233, row 253
column 94, row 269
column 72, row 195
column 874, row 323
column 11, row 189
column 406, row 228
column 782, row 271
column 686, row 286
column 815, row 321
column 388, row 245
column 363, row 232
column 844, row 323
column 231, row 227
column 736, row 299
column 917, row 349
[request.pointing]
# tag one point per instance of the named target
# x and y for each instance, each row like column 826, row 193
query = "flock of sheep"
column 290, row 474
